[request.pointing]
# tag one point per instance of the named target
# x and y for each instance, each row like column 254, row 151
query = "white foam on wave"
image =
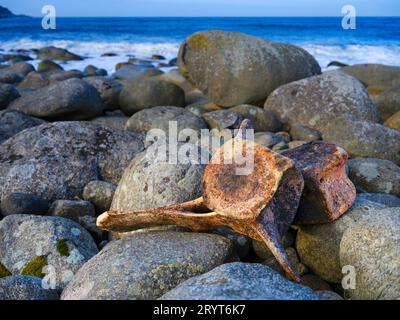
column 92, row 50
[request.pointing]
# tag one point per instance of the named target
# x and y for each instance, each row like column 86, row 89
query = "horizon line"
column 339, row 16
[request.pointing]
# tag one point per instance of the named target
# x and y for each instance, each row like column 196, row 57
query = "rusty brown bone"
column 328, row 192
column 261, row 205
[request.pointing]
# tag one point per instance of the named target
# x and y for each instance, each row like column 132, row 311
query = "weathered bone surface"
column 328, row 192
column 261, row 204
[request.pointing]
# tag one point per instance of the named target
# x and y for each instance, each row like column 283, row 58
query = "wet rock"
column 336, row 64
column 114, row 119
column 150, row 181
column 223, row 119
column 48, row 65
column 223, row 65
column 15, row 73
column 262, row 120
column 12, row 122
column 157, row 57
column 146, row 265
column 131, row 71
column 312, row 101
column 375, row 175
column 302, row 133
column 92, row 70
column 71, row 209
column 23, row 203
column 58, row 54
column 363, row 138
column 173, row 62
column 44, row 247
column 25, row 288
column 8, row 93
column 149, row 92
column 100, row 194
column 160, row 118
column 372, row 248
column 318, row 245
column 240, row 281
column 12, row 58
column 388, row 102
column 108, row 90
column 72, row 99
column 57, row 160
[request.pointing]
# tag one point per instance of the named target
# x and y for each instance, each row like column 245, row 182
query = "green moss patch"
column 34, row 268
column 62, row 247
column 4, row 272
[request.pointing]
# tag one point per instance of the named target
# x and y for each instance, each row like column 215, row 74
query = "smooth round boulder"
column 240, row 281
column 8, row 93
column 310, row 102
column 25, row 288
column 373, row 249
column 71, row 209
column 145, row 265
column 141, row 93
column 262, row 120
column 108, row 90
column 114, row 119
column 71, row 99
column 100, row 194
column 54, row 53
column 23, row 203
column 223, row 119
column 388, row 102
column 160, row 118
column 374, row 175
column 233, row 68
column 48, row 65
column 52, row 248
column 57, row 160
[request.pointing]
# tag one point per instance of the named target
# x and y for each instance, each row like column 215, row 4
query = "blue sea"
column 375, row 40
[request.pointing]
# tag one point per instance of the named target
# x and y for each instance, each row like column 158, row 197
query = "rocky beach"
column 90, row 208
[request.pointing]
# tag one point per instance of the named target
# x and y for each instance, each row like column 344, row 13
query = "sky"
column 194, row 8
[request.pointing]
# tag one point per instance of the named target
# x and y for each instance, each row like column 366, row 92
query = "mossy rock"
column 35, row 267
column 62, row 247
column 4, row 272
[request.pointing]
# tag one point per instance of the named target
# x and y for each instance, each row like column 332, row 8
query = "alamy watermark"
column 49, row 18
column 349, row 17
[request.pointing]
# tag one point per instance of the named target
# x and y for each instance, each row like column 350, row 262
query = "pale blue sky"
column 194, row 8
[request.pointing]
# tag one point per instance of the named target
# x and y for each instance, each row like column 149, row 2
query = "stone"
column 8, row 93
column 262, row 120
column 89, row 223
column 12, row 58
column 374, row 75
column 375, row 175
column 15, row 73
column 240, row 281
column 373, row 249
column 142, row 93
column 45, row 247
column 35, row 80
column 386, row 199
column 157, row 57
column 100, row 194
column 201, row 107
column 273, row 263
column 394, row 121
column 57, row 160
column 58, row 54
column 64, row 75
column 295, row 143
column 175, row 77
column 315, row 283
column 267, row 139
column 318, row 245
column 241, row 242
column 92, row 70
column 71, row 99
column 363, row 138
column 223, row 65
column 328, row 192
column 313, row 101
column 21, row 68
column 71, row 209
column 25, row 288
column 12, row 122
column 335, row 63
column 146, row 265
column 263, row 252
column 131, row 71
column 299, row 132
column 160, row 118
column 23, row 203
column 223, row 119
column 114, row 119
column 150, row 181
column 173, row 62
column 388, row 102
column 108, row 90
column 48, row 65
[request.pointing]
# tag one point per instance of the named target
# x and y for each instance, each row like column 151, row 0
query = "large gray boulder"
column 145, row 265
column 147, row 92
column 15, row 73
column 373, row 249
column 12, row 122
column 150, row 181
column 374, row 175
column 53, row 248
column 240, row 281
column 25, row 288
column 232, row 68
column 8, row 93
column 319, row 245
column 160, row 117
column 71, row 99
column 108, row 90
column 315, row 100
column 54, row 53
column 361, row 138
column 56, row 160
